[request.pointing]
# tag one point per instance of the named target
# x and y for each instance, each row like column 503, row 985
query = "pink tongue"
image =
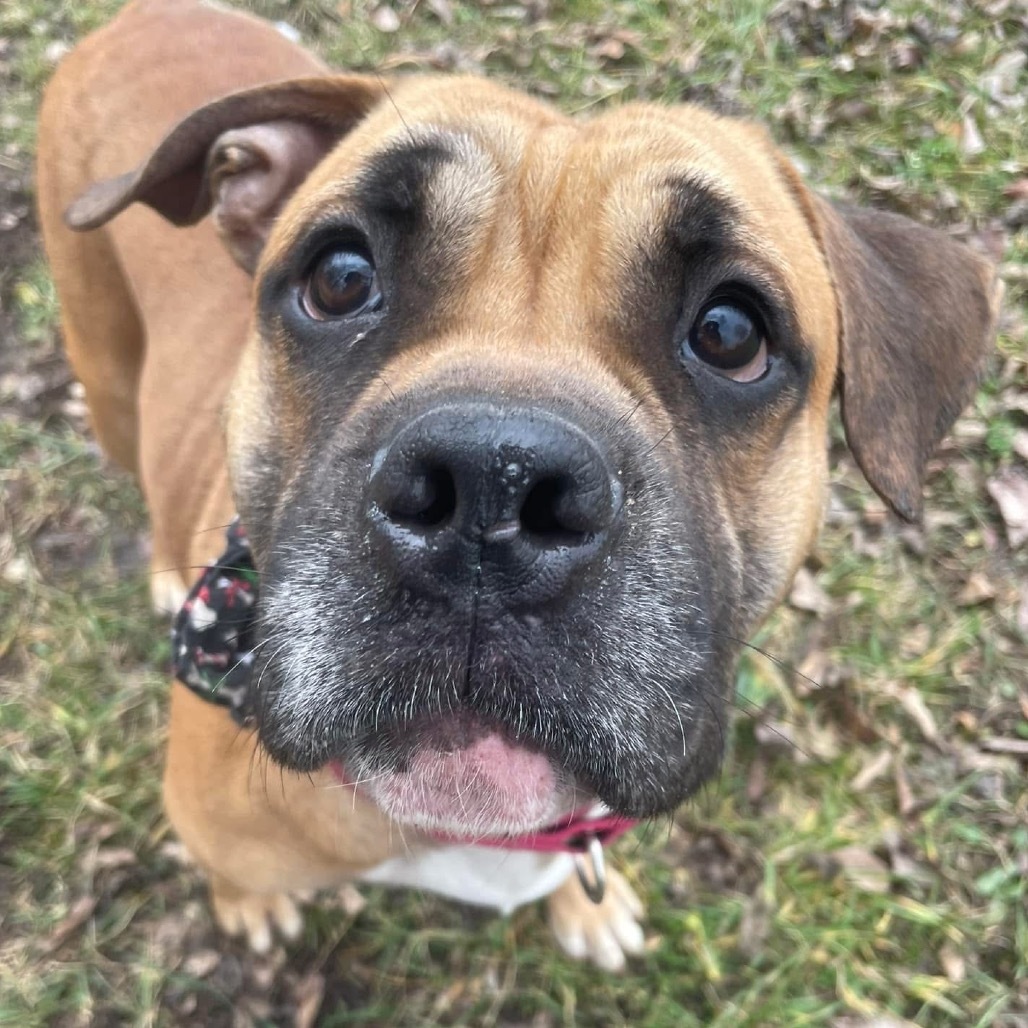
column 489, row 787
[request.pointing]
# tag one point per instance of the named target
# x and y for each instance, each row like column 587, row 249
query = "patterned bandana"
column 212, row 635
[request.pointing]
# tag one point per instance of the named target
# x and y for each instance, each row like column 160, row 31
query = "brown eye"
column 342, row 282
column 730, row 340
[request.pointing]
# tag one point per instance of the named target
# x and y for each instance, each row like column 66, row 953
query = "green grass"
column 761, row 910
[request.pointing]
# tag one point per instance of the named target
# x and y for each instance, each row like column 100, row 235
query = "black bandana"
column 212, row 635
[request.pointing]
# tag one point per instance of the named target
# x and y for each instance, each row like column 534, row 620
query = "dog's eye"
column 341, row 282
column 728, row 338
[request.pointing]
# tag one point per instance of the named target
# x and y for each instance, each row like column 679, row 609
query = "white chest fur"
column 482, row 875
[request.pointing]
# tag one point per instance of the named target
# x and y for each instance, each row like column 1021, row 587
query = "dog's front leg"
column 263, row 836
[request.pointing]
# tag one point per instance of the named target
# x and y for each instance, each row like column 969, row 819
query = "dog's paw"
column 167, row 591
column 606, row 932
column 254, row 915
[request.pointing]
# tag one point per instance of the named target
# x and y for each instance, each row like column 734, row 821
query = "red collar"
column 570, row 836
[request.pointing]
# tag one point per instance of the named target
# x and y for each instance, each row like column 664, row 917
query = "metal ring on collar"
column 591, row 869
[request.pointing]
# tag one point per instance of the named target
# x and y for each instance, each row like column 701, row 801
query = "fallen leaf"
column 1010, row 491
column 609, row 49
column 913, row 703
column 442, row 10
column 813, row 672
column 903, row 56
column 201, row 963
column 1017, row 190
column 1000, row 744
column 977, row 589
column 119, row 856
column 756, row 780
column 1020, row 443
column 904, row 794
column 871, row 771
column 1000, row 82
column 915, row 643
column 807, row 595
column 863, row 869
column 309, row 993
column 971, row 142
column 953, row 964
column 81, row 911
column 903, row 865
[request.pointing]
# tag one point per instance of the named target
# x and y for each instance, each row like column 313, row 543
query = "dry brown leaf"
column 903, row 55
column 915, row 643
column 971, row 142
column 863, row 869
column 1014, row 399
column 81, row 911
column 967, row 721
column 609, row 49
column 871, row 771
column 442, row 10
column 1000, row 82
column 1010, row 491
column 977, row 589
column 201, row 963
column 756, row 780
column 309, row 993
column 953, row 964
column 1017, row 190
column 913, row 703
column 904, row 794
column 807, row 595
column 119, row 856
column 1002, row 744
column 1020, row 443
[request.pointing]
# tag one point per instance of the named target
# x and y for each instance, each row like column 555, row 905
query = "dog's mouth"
column 457, row 775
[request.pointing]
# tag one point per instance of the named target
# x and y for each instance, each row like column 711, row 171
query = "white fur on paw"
column 605, row 933
column 254, row 915
column 167, row 591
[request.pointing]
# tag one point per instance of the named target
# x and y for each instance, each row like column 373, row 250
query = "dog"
column 524, row 422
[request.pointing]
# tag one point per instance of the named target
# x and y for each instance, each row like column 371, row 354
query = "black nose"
column 477, row 491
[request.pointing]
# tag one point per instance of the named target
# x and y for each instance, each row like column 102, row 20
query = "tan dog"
column 526, row 419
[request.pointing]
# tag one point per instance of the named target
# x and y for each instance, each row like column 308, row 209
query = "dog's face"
column 531, row 431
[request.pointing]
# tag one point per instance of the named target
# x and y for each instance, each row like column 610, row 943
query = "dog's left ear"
column 917, row 315
column 239, row 157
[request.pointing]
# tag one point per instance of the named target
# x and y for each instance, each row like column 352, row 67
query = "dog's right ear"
column 240, row 157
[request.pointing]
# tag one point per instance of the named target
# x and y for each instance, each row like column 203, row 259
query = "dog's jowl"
column 524, row 422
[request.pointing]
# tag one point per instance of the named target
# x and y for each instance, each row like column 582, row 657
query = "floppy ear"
column 917, row 315
column 240, row 157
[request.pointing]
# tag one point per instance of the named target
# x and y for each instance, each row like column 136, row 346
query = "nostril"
column 428, row 501
column 541, row 514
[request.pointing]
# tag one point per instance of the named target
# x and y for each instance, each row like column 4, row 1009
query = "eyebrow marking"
column 394, row 181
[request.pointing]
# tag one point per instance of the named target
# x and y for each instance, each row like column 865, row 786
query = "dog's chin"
column 480, row 787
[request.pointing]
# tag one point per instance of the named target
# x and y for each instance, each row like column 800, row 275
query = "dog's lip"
column 463, row 777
